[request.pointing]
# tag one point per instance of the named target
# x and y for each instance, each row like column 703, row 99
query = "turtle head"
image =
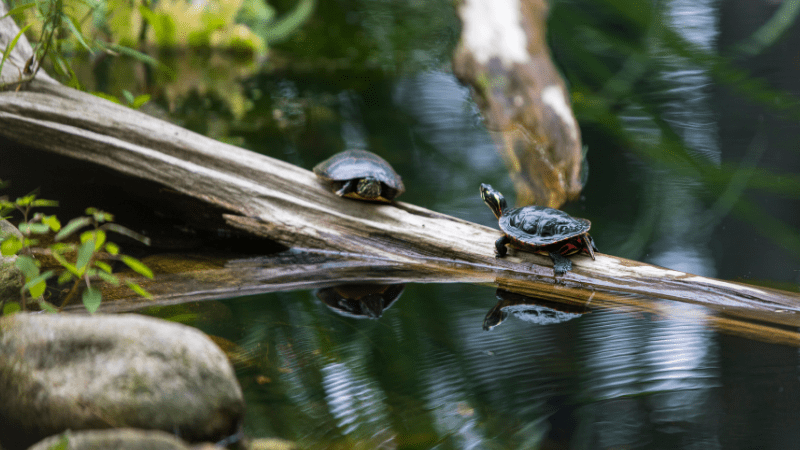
column 368, row 188
column 493, row 199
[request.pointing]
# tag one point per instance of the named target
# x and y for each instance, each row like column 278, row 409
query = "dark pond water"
column 699, row 175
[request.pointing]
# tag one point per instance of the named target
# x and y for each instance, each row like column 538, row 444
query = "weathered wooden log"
column 276, row 200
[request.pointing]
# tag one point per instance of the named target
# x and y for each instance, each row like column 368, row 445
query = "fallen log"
column 275, row 200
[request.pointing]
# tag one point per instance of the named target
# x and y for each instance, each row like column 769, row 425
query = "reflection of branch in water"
column 529, row 309
column 360, row 301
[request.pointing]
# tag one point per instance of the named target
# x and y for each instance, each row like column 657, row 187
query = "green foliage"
column 61, row 27
column 90, row 256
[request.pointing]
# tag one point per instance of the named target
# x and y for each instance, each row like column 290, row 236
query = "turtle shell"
column 358, row 164
column 540, row 226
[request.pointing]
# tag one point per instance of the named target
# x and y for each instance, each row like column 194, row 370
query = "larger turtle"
column 361, row 175
column 539, row 229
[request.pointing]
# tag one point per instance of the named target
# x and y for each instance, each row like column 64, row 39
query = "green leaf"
column 25, row 201
column 108, row 97
column 98, row 236
column 37, row 285
column 28, row 266
column 112, row 248
column 108, row 278
column 38, row 228
column 11, row 308
column 65, row 277
column 138, row 289
column 18, row 9
column 103, row 266
column 78, row 35
column 73, row 226
column 92, row 299
column 52, row 222
column 128, row 96
column 47, row 306
column 10, row 246
column 140, row 100
column 119, row 229
column 13, row 44
column 44, row 203
column 60, row 247
column 137, row 266
column 85, row 253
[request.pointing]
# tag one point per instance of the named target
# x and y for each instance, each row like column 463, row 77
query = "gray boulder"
column 60, row 372
column 116, row 439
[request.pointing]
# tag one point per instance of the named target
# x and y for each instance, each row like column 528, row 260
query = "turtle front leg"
column 561, row 264
column 348, row 187
column 500, row 246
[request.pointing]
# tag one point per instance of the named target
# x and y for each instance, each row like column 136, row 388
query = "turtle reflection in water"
column 361, row 175
column 360, row 301
column 529, row 309
column 539, row 229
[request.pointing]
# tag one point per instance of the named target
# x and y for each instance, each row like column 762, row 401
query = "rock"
column 10, row 276
column 117, row 439
column 60, row 372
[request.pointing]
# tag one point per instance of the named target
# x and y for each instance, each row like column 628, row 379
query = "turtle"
column 529, row 309
column 539, row 229
column 360, row 301
column 362, row 175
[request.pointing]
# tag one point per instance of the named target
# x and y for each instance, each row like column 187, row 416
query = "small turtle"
column 361, row 175
column 539, row 229
column 529, row 309
column 360, row 301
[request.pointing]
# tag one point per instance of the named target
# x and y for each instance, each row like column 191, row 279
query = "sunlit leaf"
column 108, row 97
column 52, row 222
column 103, row 266
column 137, row 266
column 37, row 285
column 138, row 289
column 11, row 308
column 140, row 100
column 28, row 242
column 92, row 299
column 112, row 248
column 65, row 277
column 61, row 247
column 25, row 201
column 73, row 226
column 27, row 266
column 99, row 236
column 10, row 246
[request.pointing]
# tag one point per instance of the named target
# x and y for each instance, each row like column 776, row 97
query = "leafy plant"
column 60, row 32
column 81, row 264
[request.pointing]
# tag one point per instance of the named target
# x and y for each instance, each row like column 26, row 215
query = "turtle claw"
column 561, row 264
